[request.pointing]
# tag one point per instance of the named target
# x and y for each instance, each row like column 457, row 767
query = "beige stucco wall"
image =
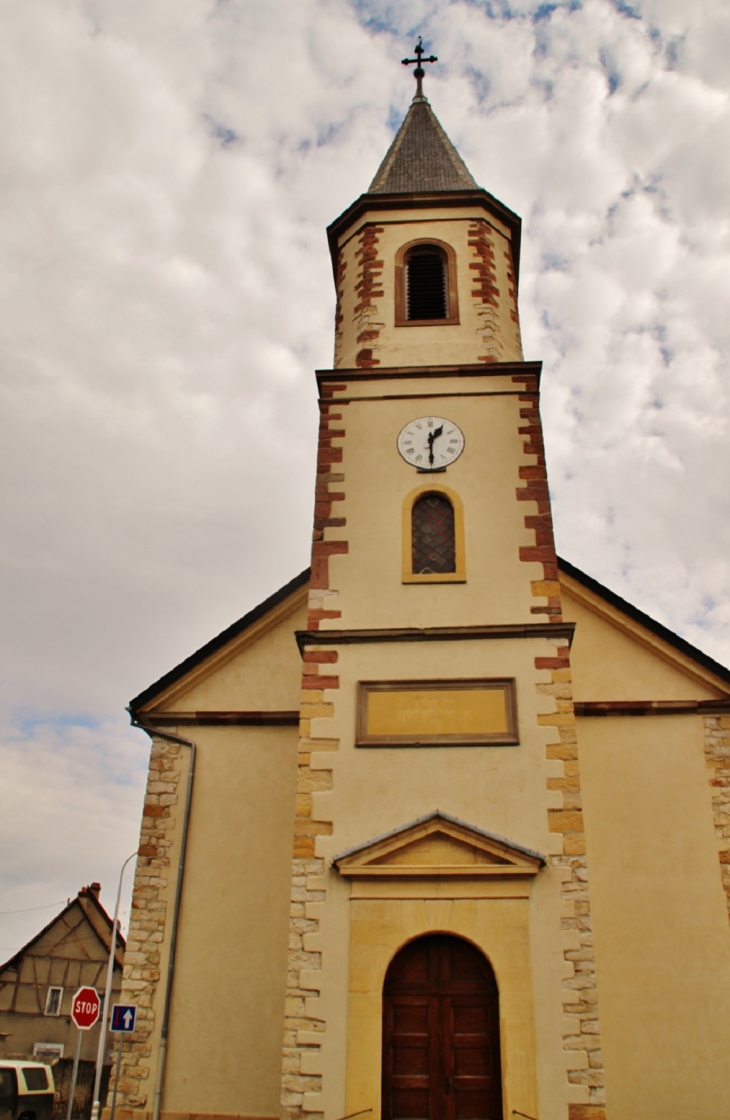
column 661, row 928
column 228, row 1007
column 378, row 480
column 480, row 330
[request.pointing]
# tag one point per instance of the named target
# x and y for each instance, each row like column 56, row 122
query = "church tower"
column 441, row 957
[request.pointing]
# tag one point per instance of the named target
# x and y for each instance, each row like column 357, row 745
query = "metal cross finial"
column 419, row 72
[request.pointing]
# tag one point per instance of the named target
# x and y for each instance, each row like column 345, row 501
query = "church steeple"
column 426, row 249
column 421, row 158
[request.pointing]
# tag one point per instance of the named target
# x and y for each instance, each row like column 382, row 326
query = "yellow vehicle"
column 26, row 1091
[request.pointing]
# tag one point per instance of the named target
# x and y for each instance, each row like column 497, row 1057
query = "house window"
column 433, row 536
column 49, row 1050
column 53, row 1001
column 425, row 289
column 433, row 544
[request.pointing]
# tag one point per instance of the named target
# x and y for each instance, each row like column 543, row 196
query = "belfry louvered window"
column 433, row 537
column 426, row 279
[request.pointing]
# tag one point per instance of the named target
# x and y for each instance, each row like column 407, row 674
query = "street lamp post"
column 107, row 997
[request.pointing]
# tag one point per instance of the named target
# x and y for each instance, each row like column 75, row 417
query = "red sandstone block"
column 312, row 682
column 320, row 656
column 330, row 548
column 323, row 495
column 327, row 455
column 320, row 573
column 552, row 662
column 533, row 493
column 554, row 613
column 539, row 553
column 539, row 521
column 317, row 614
column 536, row 470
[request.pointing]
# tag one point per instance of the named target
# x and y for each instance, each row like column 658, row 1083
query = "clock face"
column 431, row 443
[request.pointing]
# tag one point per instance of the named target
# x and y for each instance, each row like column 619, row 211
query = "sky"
column 166, row 293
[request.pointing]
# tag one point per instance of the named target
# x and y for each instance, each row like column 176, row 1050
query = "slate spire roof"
column 421, row 158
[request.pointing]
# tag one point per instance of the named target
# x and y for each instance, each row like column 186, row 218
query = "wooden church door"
column 441, row 1033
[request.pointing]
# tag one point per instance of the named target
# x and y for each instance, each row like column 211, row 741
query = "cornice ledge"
column 436, row 633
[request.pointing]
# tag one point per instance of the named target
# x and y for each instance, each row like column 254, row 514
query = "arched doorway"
column 441, row 1033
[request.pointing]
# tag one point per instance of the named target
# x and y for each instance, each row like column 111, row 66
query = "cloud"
column 167, row 293
column 70, row 805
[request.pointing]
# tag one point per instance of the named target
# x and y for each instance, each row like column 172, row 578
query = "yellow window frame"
column 408, row 575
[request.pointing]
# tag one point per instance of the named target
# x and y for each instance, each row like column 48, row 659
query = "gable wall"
column 660, row 915
column 609, row 664
column 261, row 676
column 224, row 1054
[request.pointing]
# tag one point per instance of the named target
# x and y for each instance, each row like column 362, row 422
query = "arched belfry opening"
column 425, row 284
column 441, row 1055
column 426, row 294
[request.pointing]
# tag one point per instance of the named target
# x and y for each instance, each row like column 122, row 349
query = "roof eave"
column 448, row 199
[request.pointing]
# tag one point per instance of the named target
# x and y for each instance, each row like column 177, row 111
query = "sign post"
column 96, row 1104
column 85, row 1007
column 124, row 1020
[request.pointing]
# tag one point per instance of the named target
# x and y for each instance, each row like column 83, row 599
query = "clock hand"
column 431, row 437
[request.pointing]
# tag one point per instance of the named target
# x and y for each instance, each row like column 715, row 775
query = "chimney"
column 95, row 889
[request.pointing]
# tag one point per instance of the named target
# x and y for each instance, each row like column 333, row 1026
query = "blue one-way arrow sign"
column 124, row 1017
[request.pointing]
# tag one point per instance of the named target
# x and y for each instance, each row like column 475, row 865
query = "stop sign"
column 85, row 1008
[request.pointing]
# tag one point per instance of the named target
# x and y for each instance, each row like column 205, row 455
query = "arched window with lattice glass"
column 432, row 535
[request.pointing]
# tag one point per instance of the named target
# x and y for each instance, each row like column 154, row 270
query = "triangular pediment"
column 438, row 845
